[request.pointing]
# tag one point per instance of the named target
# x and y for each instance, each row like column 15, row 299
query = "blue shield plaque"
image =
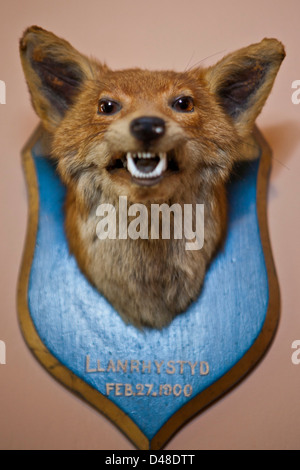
column 148, row 382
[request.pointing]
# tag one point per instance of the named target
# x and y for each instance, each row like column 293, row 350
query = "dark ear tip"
column 31, row 29
column 276, row 46
column 34, row 29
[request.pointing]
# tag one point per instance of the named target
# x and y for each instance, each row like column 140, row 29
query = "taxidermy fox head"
column 147, row 138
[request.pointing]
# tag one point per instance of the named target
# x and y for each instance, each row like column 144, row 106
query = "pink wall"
column 263, row 412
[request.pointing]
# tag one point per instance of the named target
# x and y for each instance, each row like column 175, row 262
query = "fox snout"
column 147, row 129
column 146, row 166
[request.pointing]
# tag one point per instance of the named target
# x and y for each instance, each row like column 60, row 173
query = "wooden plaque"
column 149, row 383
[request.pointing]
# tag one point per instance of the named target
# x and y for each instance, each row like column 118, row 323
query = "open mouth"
column 145, row 168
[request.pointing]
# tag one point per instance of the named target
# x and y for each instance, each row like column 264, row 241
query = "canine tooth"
column 131, row 165
column 162, row 165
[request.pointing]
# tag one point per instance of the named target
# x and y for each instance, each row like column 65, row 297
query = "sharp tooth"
column 163, row 161
column 131, row 165
column 140, row 154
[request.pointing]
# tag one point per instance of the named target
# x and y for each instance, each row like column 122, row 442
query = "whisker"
column 281, row 163
column 205, row 58
column 190, row 59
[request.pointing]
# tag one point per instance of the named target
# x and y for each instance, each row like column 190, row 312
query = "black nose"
column 147, row 128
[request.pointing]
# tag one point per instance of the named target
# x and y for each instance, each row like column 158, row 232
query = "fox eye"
column 184, row 104
column 106, row 106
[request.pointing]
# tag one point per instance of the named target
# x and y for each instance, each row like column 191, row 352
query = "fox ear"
column 242, row 81
column 55, row 73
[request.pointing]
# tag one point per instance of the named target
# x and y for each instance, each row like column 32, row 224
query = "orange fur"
column 147, row 281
